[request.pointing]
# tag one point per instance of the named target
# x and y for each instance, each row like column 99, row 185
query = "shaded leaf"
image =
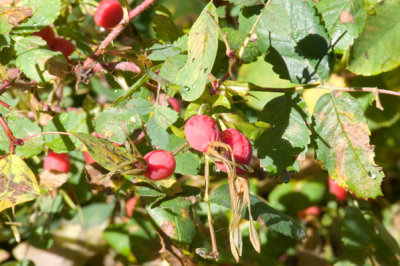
column 202, row 50
column 297, row 41
column 261, row 212
column 165, row 28
column 376, row 50
column 343, row 146
column 355, row 230
column 279, row 147
column 17, row 182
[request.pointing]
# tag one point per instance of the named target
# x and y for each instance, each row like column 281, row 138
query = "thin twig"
column 251, row 33
column 4, row 86
column 116, row 31
column 5, row 105
column 229, row 51
column 360, row 89
column 46, row 133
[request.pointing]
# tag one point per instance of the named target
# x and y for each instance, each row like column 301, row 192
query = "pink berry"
column 200, row 130
column 46, row 34
column 310, row 211
column 241, row 148
column 337, row 190
column 160, row 164
column 57, row 161
column 62, row 45
column 130, row 206
column 108, row 14
column 88, row 158
column 174, row 104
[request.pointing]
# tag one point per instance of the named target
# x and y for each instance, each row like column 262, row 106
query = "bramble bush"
column 199, row 132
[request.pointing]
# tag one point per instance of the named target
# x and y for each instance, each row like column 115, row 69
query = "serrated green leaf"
column 250, row 130
column 376, row 50
column 344, row 21
column 119, row 241
column 169, row 71
column 161, row 52
column 109, row 123
column 4, row 26
column 173, row 216
column 202, row 50
column 71, row 122
column 342, row 137
column 5, row 40
column 261, row 211
column 158, row 136
column 25, row 44
column 17, row 182
column 187, row 163
column 356, row 232
column 104, row 152
column 33, row 64
column 297, row 41
column 21, row 128
column 279, row 147
column 165, row 28
column 140, row 106
column 140, row 82
column 42, row 14
column 246, row 2
column 165, row 116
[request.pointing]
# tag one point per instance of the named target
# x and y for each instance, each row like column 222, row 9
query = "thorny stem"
column 251, row 33
column 116, row 31
column 360, row 89
column 207, row 201
column 4, row 86
column 5, row 105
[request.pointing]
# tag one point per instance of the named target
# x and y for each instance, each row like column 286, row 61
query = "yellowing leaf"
column 17, row 182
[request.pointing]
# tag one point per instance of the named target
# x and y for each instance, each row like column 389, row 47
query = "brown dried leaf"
column 52, row 179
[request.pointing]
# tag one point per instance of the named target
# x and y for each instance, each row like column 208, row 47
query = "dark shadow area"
column 278, row 64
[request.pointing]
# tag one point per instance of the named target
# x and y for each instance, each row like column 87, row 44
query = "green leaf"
column 21, row 128
column 161, row 52
column 202, row 50
column 17, row 182
column 158, row 135
column 94, row 214
column 71, row 122
column 246, row 2
column 109, row 123
column 140, row 106
column 356, row 232
column 25, row 44
column 33, row 64
column 119, row 241
column 173, row 216
column 140, row 82
column 297, row 41
column 376, row 50
column 279, row 147
column 4, row 26
column 342, row 138
column 165, row 28
column 164, row 116
column 42, row 14
column 261, row 211
column 187, row 163
column 344, row 21
column 104, row 152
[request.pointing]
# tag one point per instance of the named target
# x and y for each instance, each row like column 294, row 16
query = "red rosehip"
column 46, row 34
column 241, row 148
column 62, row 45
column 160, row 164
column 57, row 161
column 130, row 206
column 88, row 158
column 108, row 14
column 200, row 130
column 337, row 190
column 174, row 104
column 310, row 211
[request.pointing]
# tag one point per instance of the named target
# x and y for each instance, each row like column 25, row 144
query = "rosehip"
column 241, row 148
column 46, row 34
column 57, row 161
column 88, row 158
column 337, row 190
column 200, row 130
column 108, row 14
column 310, row 211
column 174, row 104
column 160, row 164
column 62, row 45
column 130, row 206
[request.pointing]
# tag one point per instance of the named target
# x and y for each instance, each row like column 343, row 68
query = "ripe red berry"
column 241, row 147
column 174, row 104
column 62, row 45
column 57, row 161
column 46, row 34
column 88, row 158
column 130, row 206
column 200, row 130
column 337, row 190
column 108, row 14
column 160, row 164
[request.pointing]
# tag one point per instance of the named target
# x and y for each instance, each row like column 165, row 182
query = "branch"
column 4, row 86
column 116, row 31
column 123, row 66
column 13, row 140
column 360, row 89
